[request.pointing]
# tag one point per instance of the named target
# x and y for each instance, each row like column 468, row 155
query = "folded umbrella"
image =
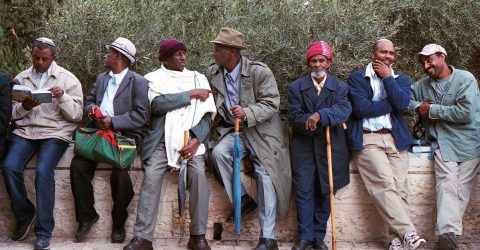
column 236, row 183
column 182, row 182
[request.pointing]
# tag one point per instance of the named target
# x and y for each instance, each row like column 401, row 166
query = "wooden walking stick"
column 330, row 186
column 330, row 189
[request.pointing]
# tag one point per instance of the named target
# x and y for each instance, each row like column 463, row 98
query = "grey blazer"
column 130, row 104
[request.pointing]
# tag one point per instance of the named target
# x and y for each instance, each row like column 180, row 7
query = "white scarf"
column 164, row 81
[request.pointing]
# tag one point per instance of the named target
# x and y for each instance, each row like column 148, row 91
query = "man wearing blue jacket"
column 379, row 139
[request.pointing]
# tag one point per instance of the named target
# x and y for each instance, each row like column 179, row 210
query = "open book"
column 20, row 93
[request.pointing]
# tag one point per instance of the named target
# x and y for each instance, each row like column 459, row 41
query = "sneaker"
column 23, row 227
column 446, row 241
column 396, row 244
column 43, row 242
column 412, row 241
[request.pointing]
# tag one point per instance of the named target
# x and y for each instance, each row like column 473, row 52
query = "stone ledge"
column 357, row 220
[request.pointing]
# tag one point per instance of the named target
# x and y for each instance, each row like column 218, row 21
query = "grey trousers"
column 148, row 202
column 384, row 171
column 267, row 198
column 454, row 184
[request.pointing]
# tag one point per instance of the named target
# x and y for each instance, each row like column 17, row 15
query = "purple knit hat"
column 168, row 47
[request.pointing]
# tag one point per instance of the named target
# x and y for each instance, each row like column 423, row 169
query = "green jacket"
column 454, row 124
column 264, row 129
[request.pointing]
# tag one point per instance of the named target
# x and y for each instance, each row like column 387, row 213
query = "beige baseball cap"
column 430, row 49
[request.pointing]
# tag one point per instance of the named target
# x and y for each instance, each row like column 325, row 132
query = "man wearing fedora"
column 247, row 90
column 122, row 97
column 180, row 101
column 44, row 130
column 448, row 102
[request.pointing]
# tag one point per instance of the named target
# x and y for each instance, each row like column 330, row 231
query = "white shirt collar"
column 371, row 73
column 118, row 77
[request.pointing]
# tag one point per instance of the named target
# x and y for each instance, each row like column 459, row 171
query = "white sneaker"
column 412, row 241
column 396, row 244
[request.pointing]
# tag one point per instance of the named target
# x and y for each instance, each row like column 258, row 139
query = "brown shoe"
column 138, row 243
column 198, row 242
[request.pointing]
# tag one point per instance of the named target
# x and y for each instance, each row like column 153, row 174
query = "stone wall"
column 356, row 217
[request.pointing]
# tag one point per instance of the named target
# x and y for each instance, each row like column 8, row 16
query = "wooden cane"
column 330, row 189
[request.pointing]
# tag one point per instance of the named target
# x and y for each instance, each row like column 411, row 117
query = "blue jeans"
column 49, row 152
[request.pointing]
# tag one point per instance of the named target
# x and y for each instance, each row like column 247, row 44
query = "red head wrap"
column 319, row 48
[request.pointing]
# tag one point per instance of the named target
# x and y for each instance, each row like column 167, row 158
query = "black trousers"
column 82, row 172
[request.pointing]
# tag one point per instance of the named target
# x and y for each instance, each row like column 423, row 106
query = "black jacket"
column 5, row 111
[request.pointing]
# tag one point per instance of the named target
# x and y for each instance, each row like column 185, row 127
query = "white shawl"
column 164, row 81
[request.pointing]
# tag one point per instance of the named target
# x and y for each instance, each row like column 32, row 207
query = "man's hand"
column 423, row 109
column 311, row 123
column 189, row 151
column 238, row 112
column 105, row 123
column 57, row 92
column 381, row 69
column 201, row 94
column 29, row 104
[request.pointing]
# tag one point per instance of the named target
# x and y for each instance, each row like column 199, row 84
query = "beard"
column 318, row 74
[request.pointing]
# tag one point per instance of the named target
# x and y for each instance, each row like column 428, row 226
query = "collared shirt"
column 379, row 93
column 107, row 102
column 232, row 87
column 319, row 85
column 41, row 78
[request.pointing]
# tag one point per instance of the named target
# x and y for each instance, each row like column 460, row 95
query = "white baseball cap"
column 430, row 49
column 124, row 46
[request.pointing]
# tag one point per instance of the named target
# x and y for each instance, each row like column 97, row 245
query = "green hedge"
column 276, row 31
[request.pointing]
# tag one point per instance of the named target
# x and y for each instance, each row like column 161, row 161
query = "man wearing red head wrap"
column 316, row 100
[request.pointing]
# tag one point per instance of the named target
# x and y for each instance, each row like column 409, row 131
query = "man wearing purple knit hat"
column 180, row 101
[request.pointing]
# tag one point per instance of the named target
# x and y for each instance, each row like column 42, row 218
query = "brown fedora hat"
column 229, row 37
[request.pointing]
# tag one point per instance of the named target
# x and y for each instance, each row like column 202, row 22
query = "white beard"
column 318, row 74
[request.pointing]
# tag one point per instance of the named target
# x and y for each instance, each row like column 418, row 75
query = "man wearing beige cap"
column 121, row 96
column 246, row 90
column 43, row 129
column 447, row 100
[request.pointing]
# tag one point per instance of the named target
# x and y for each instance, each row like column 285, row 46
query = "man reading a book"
column 448, row 103
column 45, row 130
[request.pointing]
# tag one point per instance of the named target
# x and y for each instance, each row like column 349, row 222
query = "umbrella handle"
column 330, row 189
column 185, row 138
column 237, row 126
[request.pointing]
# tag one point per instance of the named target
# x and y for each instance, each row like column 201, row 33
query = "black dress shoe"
column 266, row 244
column 23, row 227
column 198, row 242
column 118, row 234
column 138, row 243
column 318, row 244
column 84, row 228
column 248, row 205
column 303, row 245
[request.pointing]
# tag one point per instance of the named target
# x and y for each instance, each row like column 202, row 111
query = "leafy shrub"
column 277, row 32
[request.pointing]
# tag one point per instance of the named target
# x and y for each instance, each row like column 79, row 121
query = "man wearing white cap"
column 122, row 97
column 447, row 100
column 44, row 129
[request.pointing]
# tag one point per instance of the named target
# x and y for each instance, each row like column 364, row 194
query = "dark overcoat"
column 307, row 148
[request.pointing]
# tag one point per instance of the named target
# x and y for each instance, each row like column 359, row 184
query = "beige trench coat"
column 264, row 129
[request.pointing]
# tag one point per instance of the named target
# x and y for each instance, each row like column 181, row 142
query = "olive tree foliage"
column 277, row 32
